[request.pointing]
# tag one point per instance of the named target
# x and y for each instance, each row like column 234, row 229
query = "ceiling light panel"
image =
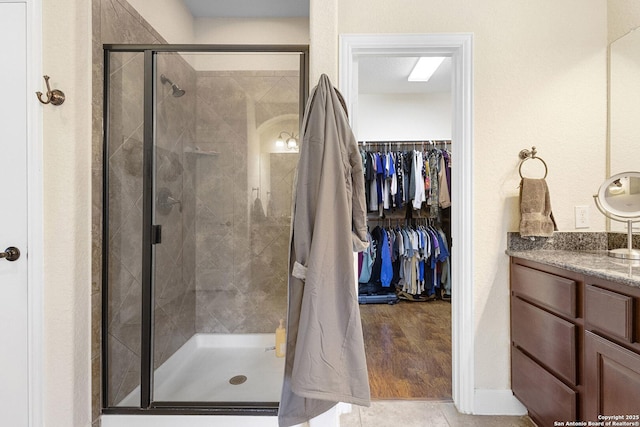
column 424, row 68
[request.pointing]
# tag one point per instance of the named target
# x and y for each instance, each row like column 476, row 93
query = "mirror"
column 619, row 199
column 624, row 106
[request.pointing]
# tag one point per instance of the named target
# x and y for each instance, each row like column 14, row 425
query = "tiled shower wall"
column 241, row 246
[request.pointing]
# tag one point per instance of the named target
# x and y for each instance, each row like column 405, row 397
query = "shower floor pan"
column 219, row 368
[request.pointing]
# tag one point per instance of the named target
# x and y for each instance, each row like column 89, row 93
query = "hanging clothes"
column 386, row 270
column 257, row 211
column 376, row 265
column 413, row 260
column 418, row 169
column 366, row 265
column 325, row 360
column 444, row 198
column 396, row 178
column 445, row 279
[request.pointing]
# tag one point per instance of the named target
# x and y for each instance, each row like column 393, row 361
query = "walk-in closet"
column 404, row 277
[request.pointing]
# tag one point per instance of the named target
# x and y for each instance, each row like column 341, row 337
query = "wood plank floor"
column 408, row 348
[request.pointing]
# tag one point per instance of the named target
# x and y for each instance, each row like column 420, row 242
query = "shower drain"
column 237, row 380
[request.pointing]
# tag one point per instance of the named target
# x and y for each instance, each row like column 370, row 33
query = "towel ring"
column 531, row 154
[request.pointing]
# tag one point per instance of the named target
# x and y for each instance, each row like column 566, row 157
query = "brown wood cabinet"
column 612, row 379
column 575, row 345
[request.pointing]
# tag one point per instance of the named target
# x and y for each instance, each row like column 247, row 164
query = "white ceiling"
column 248, row 8
column 388, row 74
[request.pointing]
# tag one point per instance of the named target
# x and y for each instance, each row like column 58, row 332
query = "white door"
column 14, row 390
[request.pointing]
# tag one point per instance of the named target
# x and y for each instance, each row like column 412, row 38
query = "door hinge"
column 156, row 234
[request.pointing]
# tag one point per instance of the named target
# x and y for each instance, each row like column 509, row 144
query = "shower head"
column 175, row 90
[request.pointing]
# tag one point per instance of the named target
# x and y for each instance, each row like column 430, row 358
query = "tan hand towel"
column 536, row 218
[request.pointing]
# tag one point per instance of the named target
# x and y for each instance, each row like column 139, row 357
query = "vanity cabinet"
column 575, row 344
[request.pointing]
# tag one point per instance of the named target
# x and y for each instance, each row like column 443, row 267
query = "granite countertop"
column 592, row 263
column 582, row 253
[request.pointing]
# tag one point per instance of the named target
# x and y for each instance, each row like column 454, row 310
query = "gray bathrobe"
column 325, row 360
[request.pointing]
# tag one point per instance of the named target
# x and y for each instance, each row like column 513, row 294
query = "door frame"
column 35, row 244
column 459, row 47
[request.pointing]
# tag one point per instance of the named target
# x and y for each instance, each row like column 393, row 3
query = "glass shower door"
column 122, row 237
column 200, row 150
column 222, row 181
column 173, row 214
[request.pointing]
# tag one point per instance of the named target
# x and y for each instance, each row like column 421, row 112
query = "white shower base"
column 200, row 371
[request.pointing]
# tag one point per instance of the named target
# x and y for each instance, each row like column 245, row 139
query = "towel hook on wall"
column 54, row 97
column 525, row 155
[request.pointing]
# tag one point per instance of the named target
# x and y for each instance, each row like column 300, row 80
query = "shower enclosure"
column 197, row 200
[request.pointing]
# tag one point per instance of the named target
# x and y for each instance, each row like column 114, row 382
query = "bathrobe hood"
column 325, row 359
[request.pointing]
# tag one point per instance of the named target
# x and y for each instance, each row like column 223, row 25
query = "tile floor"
column 404, row 413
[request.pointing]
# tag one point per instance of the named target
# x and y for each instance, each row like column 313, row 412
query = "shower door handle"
column 156, row 234
column 11, row 253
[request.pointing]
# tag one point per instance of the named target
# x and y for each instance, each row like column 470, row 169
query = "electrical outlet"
column 582, row 216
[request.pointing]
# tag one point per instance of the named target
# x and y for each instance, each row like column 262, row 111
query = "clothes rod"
column 447, row 141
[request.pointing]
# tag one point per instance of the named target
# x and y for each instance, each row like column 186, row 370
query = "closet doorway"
column 400, row 329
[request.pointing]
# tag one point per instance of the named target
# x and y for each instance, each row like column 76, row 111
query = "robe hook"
column 54, row 97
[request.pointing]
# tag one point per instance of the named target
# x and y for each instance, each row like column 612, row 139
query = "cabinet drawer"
column 609, row 312
column 546, row 397
column 554, row 292
column 548, row 338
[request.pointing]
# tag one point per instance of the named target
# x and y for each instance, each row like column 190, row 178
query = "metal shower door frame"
column 147, row 405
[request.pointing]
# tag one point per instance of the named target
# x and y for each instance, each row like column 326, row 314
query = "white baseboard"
column 497, row 402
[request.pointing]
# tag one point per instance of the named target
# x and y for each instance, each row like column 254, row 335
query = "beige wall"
column 323, row 40
column 172, row 19
column 539, row 79
column 67, row 214
column 252, row 30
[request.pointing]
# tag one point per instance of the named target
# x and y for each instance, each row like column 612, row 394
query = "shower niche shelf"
column 200, row 152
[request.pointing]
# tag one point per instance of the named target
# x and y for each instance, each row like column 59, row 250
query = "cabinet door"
column 612, row 379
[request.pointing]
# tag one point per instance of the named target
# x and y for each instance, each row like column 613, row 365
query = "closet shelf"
column 395, row 216
column 374, row 216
